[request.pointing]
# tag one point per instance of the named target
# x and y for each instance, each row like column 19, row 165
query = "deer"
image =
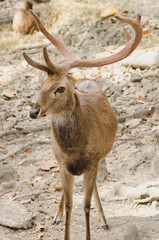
column 23, row 22
column 83, row 125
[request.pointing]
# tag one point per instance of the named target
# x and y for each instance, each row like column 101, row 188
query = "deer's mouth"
column 42, row 113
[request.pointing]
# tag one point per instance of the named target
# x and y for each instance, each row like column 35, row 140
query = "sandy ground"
column 130, row 163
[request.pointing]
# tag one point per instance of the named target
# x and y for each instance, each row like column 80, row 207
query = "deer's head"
column 57, row 93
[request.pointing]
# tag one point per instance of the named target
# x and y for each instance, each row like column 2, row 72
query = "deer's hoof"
column 56, row 222
column 105, row 227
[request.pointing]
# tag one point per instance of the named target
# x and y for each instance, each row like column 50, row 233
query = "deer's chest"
column 67, row 134
column 64, row 136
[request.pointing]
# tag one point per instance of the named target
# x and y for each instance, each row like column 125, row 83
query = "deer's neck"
column 69, row 128
column 28, row 5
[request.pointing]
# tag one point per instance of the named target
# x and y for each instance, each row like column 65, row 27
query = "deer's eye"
column 60, row 90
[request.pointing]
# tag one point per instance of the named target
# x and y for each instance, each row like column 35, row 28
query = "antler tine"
column 49, row 36
column 128, row 37
column 138, row 18
column 132, row 43
column 36, row 64
column 62, row 67
column 48, row 61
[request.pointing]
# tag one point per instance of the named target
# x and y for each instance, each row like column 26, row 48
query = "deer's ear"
column 87, row 86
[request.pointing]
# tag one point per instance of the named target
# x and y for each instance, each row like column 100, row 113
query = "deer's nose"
column 34, row 113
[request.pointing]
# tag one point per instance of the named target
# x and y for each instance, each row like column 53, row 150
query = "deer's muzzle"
column 34, row 113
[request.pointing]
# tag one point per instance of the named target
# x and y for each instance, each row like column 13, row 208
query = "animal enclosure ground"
column 29, row 174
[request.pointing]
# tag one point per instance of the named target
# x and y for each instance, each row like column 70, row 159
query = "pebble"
column 7, row 174
column 28, row 162
column 8, row 185
column 155, row 164
column 133, row 123
column 138, row 142
column 147, row 85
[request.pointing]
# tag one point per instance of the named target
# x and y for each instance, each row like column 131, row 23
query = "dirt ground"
column 29, row 174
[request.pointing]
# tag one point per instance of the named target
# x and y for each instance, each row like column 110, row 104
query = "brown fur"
column 23, row 22
column 83, row 131
column 83, row 123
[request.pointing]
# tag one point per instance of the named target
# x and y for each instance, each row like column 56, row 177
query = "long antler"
column 49, row 36
column 71, row 62
column 132, row 43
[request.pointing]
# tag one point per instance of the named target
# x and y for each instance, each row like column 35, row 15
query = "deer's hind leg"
column 101, row 215
column 57, row 218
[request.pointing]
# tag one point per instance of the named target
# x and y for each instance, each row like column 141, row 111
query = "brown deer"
column 83, row 123
column 23, row 22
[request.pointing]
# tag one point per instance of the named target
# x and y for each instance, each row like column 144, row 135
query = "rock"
column 147, row 85
column 148, row 152
column 9, row 93
column 14, row 215
column 138, row 142
column 8, row 185
column 28, row 162
column 129, row 234
column 132, row 122
column 142, row 59
column 136, row 78
column 10, row 123
column 7, row 174
column 155, row 164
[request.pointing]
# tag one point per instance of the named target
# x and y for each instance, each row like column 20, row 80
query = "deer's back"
column 100, row 116
column 23, row 22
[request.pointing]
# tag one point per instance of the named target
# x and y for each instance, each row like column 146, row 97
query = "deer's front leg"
column 89, row 181
column 67, row 184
